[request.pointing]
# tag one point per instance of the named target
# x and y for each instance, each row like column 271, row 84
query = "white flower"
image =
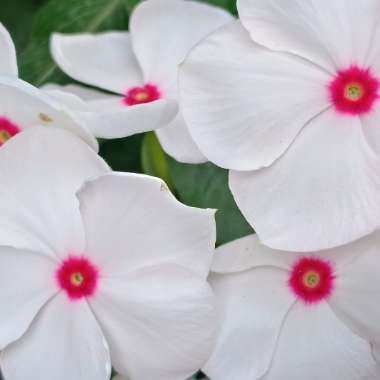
column 288, row 99
column 8, row 61
column 23, row 106
column 141, row 66
column 116, row 274
column 297, row 316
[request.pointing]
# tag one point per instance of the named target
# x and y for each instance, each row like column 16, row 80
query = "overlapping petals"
column 271, row 332
column 146, row 257
column 33, row 217
column 161, row 34
column 27, row 106
column 230, row 89
column 259, row 98
column 325, row 33
column 310, row 194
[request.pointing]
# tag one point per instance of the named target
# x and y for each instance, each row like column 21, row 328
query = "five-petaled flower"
column 288, row 100
column 116, row 273
column 285, row 315
column 141, row 66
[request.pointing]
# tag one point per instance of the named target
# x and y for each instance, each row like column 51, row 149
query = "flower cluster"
column 104, row 271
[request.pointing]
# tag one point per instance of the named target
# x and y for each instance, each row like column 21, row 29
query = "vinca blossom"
column 98, row 268
column 141, row 67
column 285, row 315
column 288, row 100
column 23, row 106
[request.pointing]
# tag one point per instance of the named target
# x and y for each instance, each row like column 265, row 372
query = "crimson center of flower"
column 7, row 129
column 140, row 95
column 312, row 279
column 78, row 277
column 354, row 91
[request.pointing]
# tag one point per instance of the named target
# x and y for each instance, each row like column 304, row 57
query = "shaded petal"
column 314, row 344
column 111, row 118
column 84, row 93
column 164, row 31
column 40, row 171
column 138, row 222
column 64, row 341
column 244, row 105
column 8, row 61
column 107, row 116
column 247, row 253
column 38, row 108
column 175, row 139
column 325, row 33
column 26, row 284
column 355, row 298
column 113, row 63
column 252, row 306
column 371, row 130
column 159, row 322
column 323, row 192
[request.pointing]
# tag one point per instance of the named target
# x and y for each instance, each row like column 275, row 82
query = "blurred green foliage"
column 31, row 23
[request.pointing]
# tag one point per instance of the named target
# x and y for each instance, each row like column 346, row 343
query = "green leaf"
column 67, row 16
column 206, row 186
column 229, row 5
column 17, row 17
column 154, row 160
column 123, row 154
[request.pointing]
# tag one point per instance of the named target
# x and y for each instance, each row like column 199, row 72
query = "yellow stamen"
column 76, row 279
column 353, row 91
column 311, row 279
column 141, row 96
column 4, row 136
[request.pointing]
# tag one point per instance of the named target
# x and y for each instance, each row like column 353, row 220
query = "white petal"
column 325, row 32
column 133, row 220
column 106, row 116
column 64, row 342
column 40, row 171
column 247, row 253
column 355, row 298
column 159, row 322
column 26, row 284
column 252, row 306
column 38, row 108
column 370, row 129
column 84, row 93
column 113, row 65
column 8, row 61
column 164, row 31
column 323, row 192
column 111, row 118
column 314, row 344
column 243, row 104
column 177, row 142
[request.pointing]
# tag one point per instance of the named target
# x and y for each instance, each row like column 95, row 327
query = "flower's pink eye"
column 312, row 279
column 354, row 91
column 7, row 129
column 140, row 95
column 78, row 277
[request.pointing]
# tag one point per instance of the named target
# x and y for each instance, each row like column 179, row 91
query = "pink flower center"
column 312, row 279
column 140, row 95
column 354, row 91
column 7, row 129
column 78, row 277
